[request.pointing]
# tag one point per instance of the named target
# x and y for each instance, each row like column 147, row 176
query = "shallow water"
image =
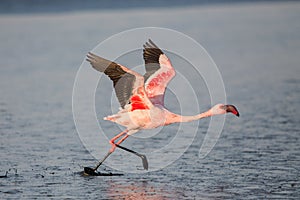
column 256, row 47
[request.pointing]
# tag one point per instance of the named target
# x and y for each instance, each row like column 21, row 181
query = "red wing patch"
column 156, row 85
column 137, row 103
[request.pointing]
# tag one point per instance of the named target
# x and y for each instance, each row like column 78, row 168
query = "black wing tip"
column 90, row 54
column 90, row 57
column 151, row 47
column 151, row 53
column 150, row 44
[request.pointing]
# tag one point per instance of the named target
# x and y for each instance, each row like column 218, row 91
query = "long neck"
column 195, row 117
column 178, row 118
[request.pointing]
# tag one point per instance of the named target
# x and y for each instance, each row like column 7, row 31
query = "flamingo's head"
column 222, row 109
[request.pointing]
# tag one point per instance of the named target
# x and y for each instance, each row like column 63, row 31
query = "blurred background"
column 256, row 45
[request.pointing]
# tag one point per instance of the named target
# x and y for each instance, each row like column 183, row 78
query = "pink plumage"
column 142, row 97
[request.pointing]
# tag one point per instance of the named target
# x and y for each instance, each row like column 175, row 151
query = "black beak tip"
column 232, row 109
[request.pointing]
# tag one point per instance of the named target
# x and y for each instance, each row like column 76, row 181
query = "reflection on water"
column 136, row 190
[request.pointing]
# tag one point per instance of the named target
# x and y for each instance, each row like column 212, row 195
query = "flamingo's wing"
column 129, row 85
column 159, row 72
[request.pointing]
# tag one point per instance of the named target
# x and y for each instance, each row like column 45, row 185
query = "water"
column 256, row 47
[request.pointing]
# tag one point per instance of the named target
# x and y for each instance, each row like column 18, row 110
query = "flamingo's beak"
column 232, row 109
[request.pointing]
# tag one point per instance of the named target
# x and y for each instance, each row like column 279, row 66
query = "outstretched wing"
column 159, row 72
column 129, row 85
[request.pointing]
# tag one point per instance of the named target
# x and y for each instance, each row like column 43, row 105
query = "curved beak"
column 232, row 109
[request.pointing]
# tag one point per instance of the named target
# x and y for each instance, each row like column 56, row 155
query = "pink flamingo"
column 142, row 97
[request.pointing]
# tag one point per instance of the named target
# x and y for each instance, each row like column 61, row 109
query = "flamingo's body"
column 142, row 97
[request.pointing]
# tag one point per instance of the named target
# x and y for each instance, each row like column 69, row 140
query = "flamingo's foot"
column 88, row 171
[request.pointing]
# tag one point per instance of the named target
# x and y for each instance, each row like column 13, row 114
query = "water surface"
column 256, row 47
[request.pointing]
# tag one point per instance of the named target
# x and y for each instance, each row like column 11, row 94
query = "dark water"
column 256, row 47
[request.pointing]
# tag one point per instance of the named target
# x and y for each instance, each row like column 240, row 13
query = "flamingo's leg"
column 91, row 171
column 113, row 147
column 143, row 157
column 112, row 141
